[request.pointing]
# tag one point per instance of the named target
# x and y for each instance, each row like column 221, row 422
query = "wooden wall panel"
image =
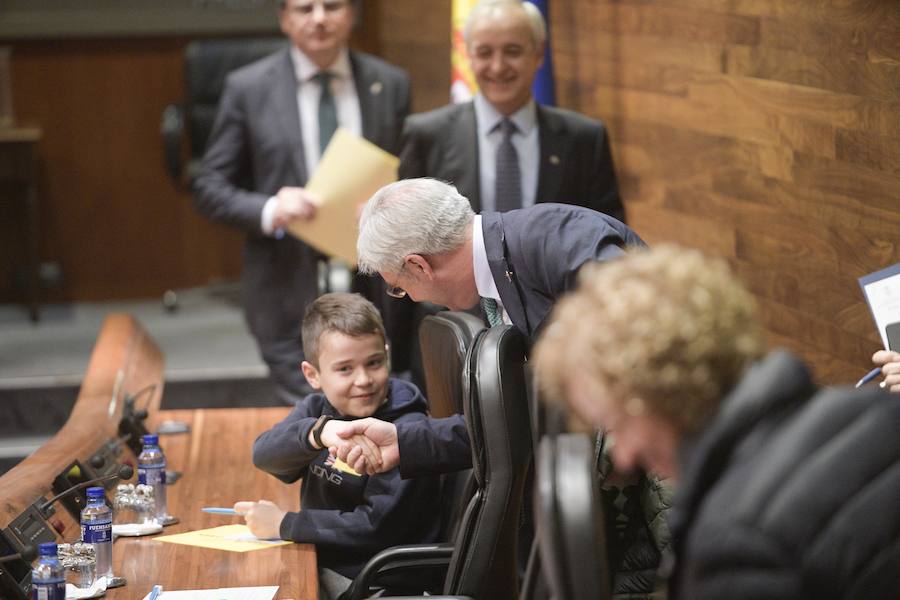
column 416, row 36
column 762, row 131
column 111, row 218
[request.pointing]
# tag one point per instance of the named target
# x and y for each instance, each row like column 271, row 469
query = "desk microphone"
column 28, row 554
column 124, row 472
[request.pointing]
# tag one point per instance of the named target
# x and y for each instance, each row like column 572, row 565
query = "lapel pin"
column 509, row 275
column 375, row 88
column 554, row 159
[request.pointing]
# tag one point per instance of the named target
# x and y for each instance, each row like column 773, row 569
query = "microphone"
column 28, row 553
column 124, row 472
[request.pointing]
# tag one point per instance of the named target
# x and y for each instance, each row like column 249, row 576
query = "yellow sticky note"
column 233, row 538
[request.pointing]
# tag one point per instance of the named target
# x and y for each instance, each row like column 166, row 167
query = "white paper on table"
column 236, row 593
column 349, row 172
column 882, row 291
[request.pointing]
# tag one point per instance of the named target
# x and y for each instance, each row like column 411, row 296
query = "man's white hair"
column 532, row 15
column 414, row 216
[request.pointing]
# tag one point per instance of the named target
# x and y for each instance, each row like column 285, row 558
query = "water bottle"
column 96, row 529
column 152, row 472
column 48, row 579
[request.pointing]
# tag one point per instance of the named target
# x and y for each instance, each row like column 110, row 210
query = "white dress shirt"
column 484, row 280
column 526, row 142
column 346, row 101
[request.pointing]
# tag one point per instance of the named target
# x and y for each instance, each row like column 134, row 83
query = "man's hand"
column 357, row 439
column 889, row 362
column 293, row 203
column 263, row 518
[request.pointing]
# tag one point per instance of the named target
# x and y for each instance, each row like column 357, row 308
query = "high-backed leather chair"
column 207, row 63
column 444, row 339
column 482, row 559
column 569, row 517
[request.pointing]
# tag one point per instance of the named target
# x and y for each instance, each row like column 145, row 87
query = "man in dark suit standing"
column 502, row 150
column 275, row 118
column 422, row 236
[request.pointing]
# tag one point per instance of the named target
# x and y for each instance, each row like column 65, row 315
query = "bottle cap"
column 150, row 439
column 95, row 492
column 47, row 549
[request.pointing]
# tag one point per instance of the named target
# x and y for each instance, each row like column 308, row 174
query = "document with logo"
column 350, row 171
column 882, row 292
column 234, row 538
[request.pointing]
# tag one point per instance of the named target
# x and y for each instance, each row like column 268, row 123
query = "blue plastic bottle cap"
column 47, row 549
column 150, row 439
column 95, row 492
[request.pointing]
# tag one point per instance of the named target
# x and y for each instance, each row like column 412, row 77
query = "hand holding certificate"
column 351, row 170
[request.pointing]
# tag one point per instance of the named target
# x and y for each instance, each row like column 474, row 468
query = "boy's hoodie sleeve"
column 284, row 450
column 394, row 511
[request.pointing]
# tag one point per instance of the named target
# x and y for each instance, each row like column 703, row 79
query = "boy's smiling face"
column 352, row 372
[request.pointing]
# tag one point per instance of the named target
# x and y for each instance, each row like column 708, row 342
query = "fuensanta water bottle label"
column 50, row 590
column 94, row 533
column 151, row 476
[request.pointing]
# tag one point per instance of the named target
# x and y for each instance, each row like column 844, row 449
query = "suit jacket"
column 534, row 254
column 576, row 166
column 255, row 148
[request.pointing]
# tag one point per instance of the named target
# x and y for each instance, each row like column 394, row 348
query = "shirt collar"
column 488, row 117
column 305, row 69
column 484, row 281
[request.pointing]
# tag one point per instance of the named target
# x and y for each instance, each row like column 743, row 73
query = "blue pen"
column 214, row 510
column 869, row 377
column 154, row 593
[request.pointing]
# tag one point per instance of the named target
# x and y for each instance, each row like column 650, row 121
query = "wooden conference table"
column 215, row 461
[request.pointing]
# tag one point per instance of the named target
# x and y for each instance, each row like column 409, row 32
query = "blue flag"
column 544, row 90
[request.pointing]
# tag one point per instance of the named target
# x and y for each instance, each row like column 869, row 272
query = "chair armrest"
column 398, row 558
column 172, row 129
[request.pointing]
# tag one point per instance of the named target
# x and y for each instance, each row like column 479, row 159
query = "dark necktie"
column 327, row 109
column 492, row 311
column 508, row 185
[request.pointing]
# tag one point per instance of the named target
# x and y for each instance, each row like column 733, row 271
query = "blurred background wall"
column 762, row 131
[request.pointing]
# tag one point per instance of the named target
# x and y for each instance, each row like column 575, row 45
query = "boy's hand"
column 357, row 439
column 263, row 518
column 889, row 362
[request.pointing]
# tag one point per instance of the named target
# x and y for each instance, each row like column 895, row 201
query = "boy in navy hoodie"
column 349, row 517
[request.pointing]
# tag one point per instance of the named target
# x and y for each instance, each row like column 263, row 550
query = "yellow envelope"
column 350, row 171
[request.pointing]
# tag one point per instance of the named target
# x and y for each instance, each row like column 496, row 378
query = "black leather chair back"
column 445, row 339
column 484, row 563
column 207, row 63
column 569, row 519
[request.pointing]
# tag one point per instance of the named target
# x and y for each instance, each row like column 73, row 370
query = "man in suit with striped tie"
column 275, row 119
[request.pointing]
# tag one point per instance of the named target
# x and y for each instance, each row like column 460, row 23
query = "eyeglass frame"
column 395, row 291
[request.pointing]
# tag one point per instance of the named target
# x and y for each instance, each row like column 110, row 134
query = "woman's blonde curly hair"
column 665, row 325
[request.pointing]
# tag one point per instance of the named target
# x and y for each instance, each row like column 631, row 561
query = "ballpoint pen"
column 869, row 377
column 215, row 510
column 155, row 592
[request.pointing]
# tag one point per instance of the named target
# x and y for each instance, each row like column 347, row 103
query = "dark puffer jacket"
column 637, row 530
column 791, row 492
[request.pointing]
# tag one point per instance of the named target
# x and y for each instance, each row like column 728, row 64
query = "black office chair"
column 482, row 560
column 570, row 531
column 445, row 339
column 207, row 62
